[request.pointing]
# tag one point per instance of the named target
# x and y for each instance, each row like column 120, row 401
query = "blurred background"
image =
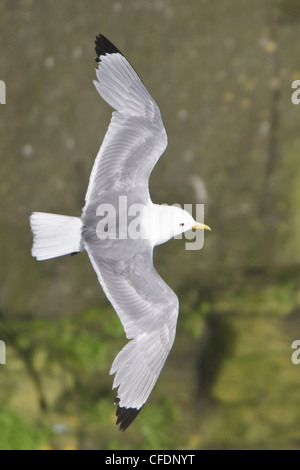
column 221, row 73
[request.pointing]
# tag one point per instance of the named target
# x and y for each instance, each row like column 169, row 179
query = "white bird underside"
column 146, row 306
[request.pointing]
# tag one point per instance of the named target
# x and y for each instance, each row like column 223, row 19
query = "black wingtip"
column 104, row 46
column 125, row 416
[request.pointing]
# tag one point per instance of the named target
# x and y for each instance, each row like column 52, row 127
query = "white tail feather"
column 54, row 235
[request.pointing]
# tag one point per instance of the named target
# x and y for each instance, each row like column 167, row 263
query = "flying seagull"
column 145, row 304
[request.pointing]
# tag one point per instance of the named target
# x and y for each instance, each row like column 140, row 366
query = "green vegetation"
column 56, row 392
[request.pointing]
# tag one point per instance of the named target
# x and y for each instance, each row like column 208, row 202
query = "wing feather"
column 149, row 320
column 136, row 136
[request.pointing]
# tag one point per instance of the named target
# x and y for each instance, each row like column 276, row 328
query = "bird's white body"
column 57, row 235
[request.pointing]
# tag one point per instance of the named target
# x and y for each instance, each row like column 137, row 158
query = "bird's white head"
column 165, row 222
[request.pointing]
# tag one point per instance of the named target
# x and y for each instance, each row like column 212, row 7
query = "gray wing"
column 136, row 136
column 148, row 310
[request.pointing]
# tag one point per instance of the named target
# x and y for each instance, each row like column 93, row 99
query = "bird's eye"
column 182, row 224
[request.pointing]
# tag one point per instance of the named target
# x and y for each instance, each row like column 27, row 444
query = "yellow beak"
column 201, row 226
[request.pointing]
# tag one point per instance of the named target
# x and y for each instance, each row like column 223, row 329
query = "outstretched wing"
column 136, row 136
column 148, row 310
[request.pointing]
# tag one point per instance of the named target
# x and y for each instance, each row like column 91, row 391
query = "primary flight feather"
column 145, row 304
